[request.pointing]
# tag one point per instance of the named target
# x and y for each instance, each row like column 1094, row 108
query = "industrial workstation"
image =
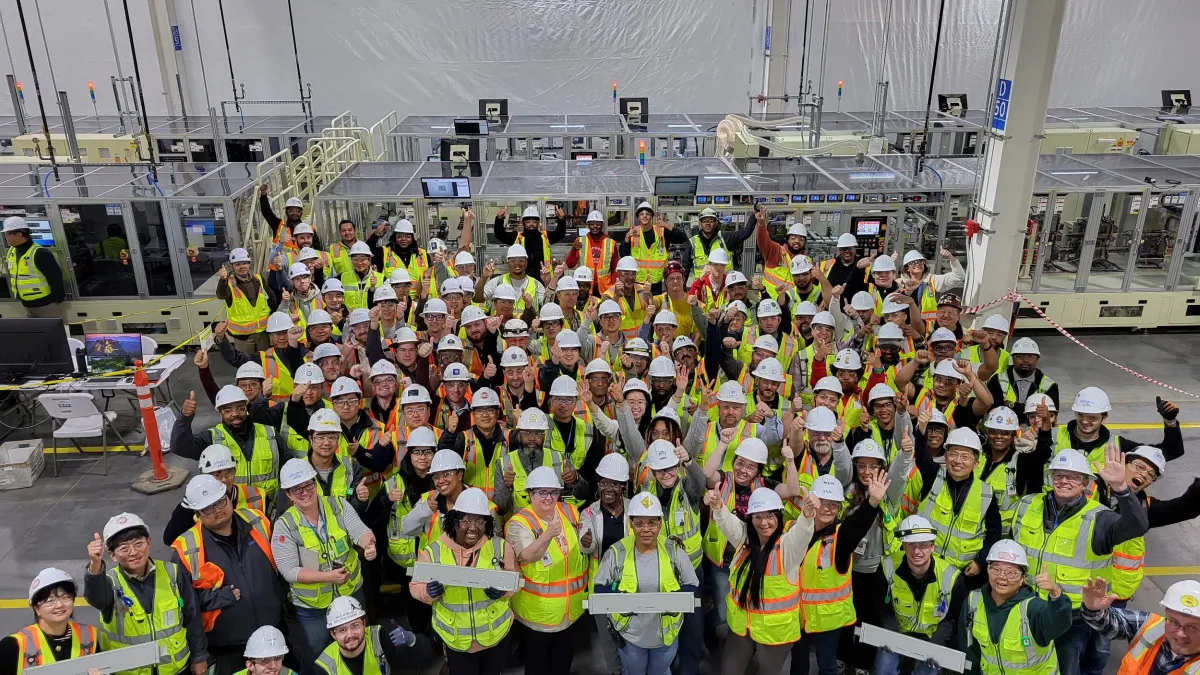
column 677, row 337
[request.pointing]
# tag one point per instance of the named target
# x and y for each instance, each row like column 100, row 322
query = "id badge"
column 547, row 561
column 679, row 515
column 861, row 549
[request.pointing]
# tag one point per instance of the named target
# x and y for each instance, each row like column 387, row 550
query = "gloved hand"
column 1168, row 410
column 435, row 589
column 399, row 636
column 493, row 593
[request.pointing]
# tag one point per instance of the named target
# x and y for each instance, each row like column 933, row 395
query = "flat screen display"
column 676, row 186
column 446, row 188
column 866, row 228
column 470, row 127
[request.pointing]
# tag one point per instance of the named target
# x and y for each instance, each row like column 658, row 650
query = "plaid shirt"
column 1116, row 623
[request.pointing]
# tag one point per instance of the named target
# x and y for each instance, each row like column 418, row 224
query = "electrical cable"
column 137, row 74
column 156, row 186
column 46, row 185
column 937, row 50
column 296, row 53
column 12, row 68
column 37, row 7
column 37, row 87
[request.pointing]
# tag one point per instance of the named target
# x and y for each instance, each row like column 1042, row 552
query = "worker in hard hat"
column 566, row 296
column 991, row 337
column 894, row 348
column 314, row 547
column 227, row 554
column 769, row 323
column 402, row 491
column 369, row 650
column 361, row 279
column 248, row 302
column 886, row 420
column 530, row 293
column 850, row 372
column 763, row 604
column 636, row 420
column 304, row 295
column 635, row 358
column 675, row 297
column 1012, row 386
column 709, row 286
column 515, row 333
column 376, row 447
column 34, row 275
column 520, row 385
column 385, row 320
column 603, row 523
column 564, row 360
column 293, row 212
column 645, row 562
column 659, row 330
column 453, row 409
column 806, row 289
column 962, row 405
column 338, row 474
column 1078, row 542
column 279, row 360
column 54, row 636
column 415, row 407
column 929, row 432
column 1166, row 642
column 720, row 438
column 706, row 241
column 821, row 348
column 482, row 443
column 1088, row 433
column 846, row 268
column 546, row 537
column 1011, row 474
column 923, row 287
column 779, row 259
column 924, row 595
column 435, row 319
column 998, row 641
column 255, row 446
column 550, row 322
column 472, row 623
column 308, row 391
column 531, row 235
column 306, row 238
column 142, row 599
column 648, row 241
column 821, row 438
column 883, row 284
column 334, row 296
column 723, row 336
column 528, row 450
column 265, row 652
column 631, row 297
column 941, row 345
column 481, row 342
column 399, row 251
column 571, row 435
column 665, row 390
column 597, row 251
column 595, row 396
column 603, row 332
column 424, row 520
column 217, row 461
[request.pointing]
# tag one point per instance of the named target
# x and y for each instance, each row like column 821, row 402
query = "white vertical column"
column 164, row 23
column 779, row 19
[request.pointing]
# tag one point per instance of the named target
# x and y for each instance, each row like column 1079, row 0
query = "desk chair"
column 79, row 419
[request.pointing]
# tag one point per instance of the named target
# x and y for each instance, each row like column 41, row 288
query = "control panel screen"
column 446, row 188
column 866, row 228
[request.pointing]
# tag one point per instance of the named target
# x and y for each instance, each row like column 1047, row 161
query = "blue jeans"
column 691, row 636
column 825, row 644
column 887, row 662
column 640, row 661
column 316, row 635
column 720, row 586
column 1081, row 650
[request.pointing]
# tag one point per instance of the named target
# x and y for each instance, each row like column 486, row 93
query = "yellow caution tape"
column 145, row 311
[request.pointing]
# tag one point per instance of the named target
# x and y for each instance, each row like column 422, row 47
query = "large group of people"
column 821, row 446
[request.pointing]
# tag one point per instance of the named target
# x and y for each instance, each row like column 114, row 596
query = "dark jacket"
column 1048, row 619
column 46, row 263
column 532, row 243
column 1171, row 444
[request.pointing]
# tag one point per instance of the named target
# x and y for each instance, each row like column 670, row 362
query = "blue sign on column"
column 175, row 38
column 1000, row 113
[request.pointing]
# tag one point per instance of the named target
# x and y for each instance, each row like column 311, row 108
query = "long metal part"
column 642, row 603
column 296, row 53
column 37, row 88
column 228, row 56
column 937, row 50
column 120, row 71
column 921, row 650
column 125, row 658
column 137, row 74
column 470, row 577
column 16, row 101
column 68, row 124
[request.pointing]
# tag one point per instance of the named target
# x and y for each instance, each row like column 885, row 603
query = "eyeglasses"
column 267, row 660
column 302, row 489
column 960, row 455
column 56, row 599
column 1010, row 573
column 346, row 402
column 473, row 522
column 421, row 451
column 129, row 547
column 344, row 629
column 829, row 505
column 220, row 504
column 1066, row 477
column 234, row 408
column 604, row 483
column 867, row 464
column 545, row 493
column 1191, row 629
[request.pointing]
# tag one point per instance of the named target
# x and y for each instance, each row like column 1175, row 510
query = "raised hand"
column 489, row 269
column 95, row 549
column 1044, row 582
column 1096, row 596
column 219, row 331
column 923, row 357
column 264, row 189
column 788, row 454
column 681, row 380
column 554, row 528
column 681, row 453
column 201, row 359
column 812, row 503
column 877, row 487
column 189, row 406
column 712, row 499
column 361, row 491
column 424, row 350
column 489, row 371
column 1113, row 471
column 906, row 442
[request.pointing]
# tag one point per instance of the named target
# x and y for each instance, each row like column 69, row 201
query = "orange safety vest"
column 190, row 548
column 1143, row 649
column 598, row 257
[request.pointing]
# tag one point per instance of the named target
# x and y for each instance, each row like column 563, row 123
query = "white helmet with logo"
column 532, row 419
column 847, row 359
column 770, row 369
column 324, row 420
column 216, row 457
column 250, row 370
column 202, row 491
column 343, row 610
column 763, row 500
column 915, row 529
column 485, row 398
column 344, row 386
column 644, row 505
column 1008, row 551
column 1069, row 459
column 1150, row 454
column 1035, row 400
column 1091, row 400
column 415, row 393
column 767, row 343
column 731, row 392
column 661, row 456
column 868, row 449
column 514, row 357
column 1183, row 597
column 801, row 264
column 49, row 577
column 295, row 472
column 828, row 487
column 266, row 642
column 1025, row 346
column 119, row 523
column 1001, row 419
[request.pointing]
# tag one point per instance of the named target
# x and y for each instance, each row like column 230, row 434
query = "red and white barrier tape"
column 1014, row 296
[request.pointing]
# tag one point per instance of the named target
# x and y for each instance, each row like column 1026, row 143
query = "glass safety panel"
column 1114, row 241
column 99, row 248
column 206, row 244
column 1063, row 237
column 1038, row 205
column 1156, row 246
column 151, row 234
column 39, row 229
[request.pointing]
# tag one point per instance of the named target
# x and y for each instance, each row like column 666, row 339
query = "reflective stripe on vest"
column 1144, row 648
column 1068, row 549
column 24, row 279
column 335, row 549
column 624, row 580
column 512, row 462
column 921, row 618
column 776, row 619
column 401, row 549
column 520, row 241
column 261, row 468
column 959, row 535
column 1016, row 652
column 373, row 659
column 463, row 616
column 130, row 624
column 528, row 287
column 282, row 383
column 33, row 650
column 241, row 317
column 681, row 521
column 826, row 600
column 652, row 260
column 190, row 547
column 700, row 257
column 552, row 594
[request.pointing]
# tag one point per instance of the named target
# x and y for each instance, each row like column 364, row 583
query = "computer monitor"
column 109, row 352
column 1178, row 100
column 34, row 347
column 675, row 186
column 635, row 110
column 470, row 127
column 952, row 104
column 459, row 150
column 446, row 188
column 493, row 109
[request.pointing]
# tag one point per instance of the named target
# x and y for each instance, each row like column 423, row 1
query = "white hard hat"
column 318, row 317
column 768, row 308
column 309, row 373
column 566, row 284
column 1069, row 459
column 945, row 368
column 770, row 369
column 415, row 393
column 634, row 384
column 325, row 420
column 485, row 398
column 820, row 419
column 239, row 255
column 1008, row 551
column 516, row 251
column 1001, row 418
column 848, row 359
column 644, row 206
column 937, row 417
column 456, row 372
column 434, row 307
column 738, row 306
column 730, row 392
column 383, row 367
column 708, row 213
column 515, row 328
column 360, row 248
column 767, row 343
column 915, row 529
column 964, row 437
column 450, row 342
column 868, row 449
column 202, row 491
column 1150, row 454
column 681, row 342
column 463, row 258
column 752, row 449
column 597, row 366
column 564, row 385
column 608, row 307
column 307, row 252
column 613, row 466
column 343, row 386
column 1035, row 400
column 567, row 339
column 403, row 335
column 399, row 275
column 52, row 575
column 890, row 307
column 384, row 292
column 890, row 332
column 332, row 286
column 471, row 500
column 801, row 264
column 16, row 223
column 303, row 228
column 828, row 487
column 847, row 240
column 343, row 610
column 421, row 437
column 662, row 366
column 627, row 264
column 216, row 457
column 996, row 322
column 735, row 277
column 637, row 347
column 250, row 370
column 121, row 522
column 325, row 350
column 883, row 263
column 531, row 212
column 550, row 312
column 806, row 308
column 505, row 292
column 645, row 504
column 450, row 287
column 762, row 500
column 862, row 301
column 294, row 472
column 1025, row 346
column 543, row 477
column 942, row 335
column 229, row 394
column 299, row 269
column 595, row 217
column 828, row 383
column 797, row 230
column 265, row 642
column 1183, row 597
column 583, row 273
column 358, row 316
column 665, row 318
column 279, row 322
column 824, row 319
column 912, row 257
column 532, row 419
column 514, row 357
column 880, row 391
column 661, row 456
column 405, row 226
column 718, row 257
column 446, row 460
column 1091, row 400
column 293, row 202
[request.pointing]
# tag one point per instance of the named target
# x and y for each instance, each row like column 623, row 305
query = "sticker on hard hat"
column 646, row 504
column 1006, row 556
column 38, row 582
column 1189, row 601
column 121, row 520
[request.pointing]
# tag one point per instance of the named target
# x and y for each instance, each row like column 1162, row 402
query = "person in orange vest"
column 601, row 255
column 248, row 301
column 54, row 635
column 229, row 559
column 1159, row 644
column 293, row 212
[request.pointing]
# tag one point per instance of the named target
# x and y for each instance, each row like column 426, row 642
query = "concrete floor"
column 51, row 523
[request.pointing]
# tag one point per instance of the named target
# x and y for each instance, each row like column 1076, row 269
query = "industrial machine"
column 93, row 148
column 1087, row 141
